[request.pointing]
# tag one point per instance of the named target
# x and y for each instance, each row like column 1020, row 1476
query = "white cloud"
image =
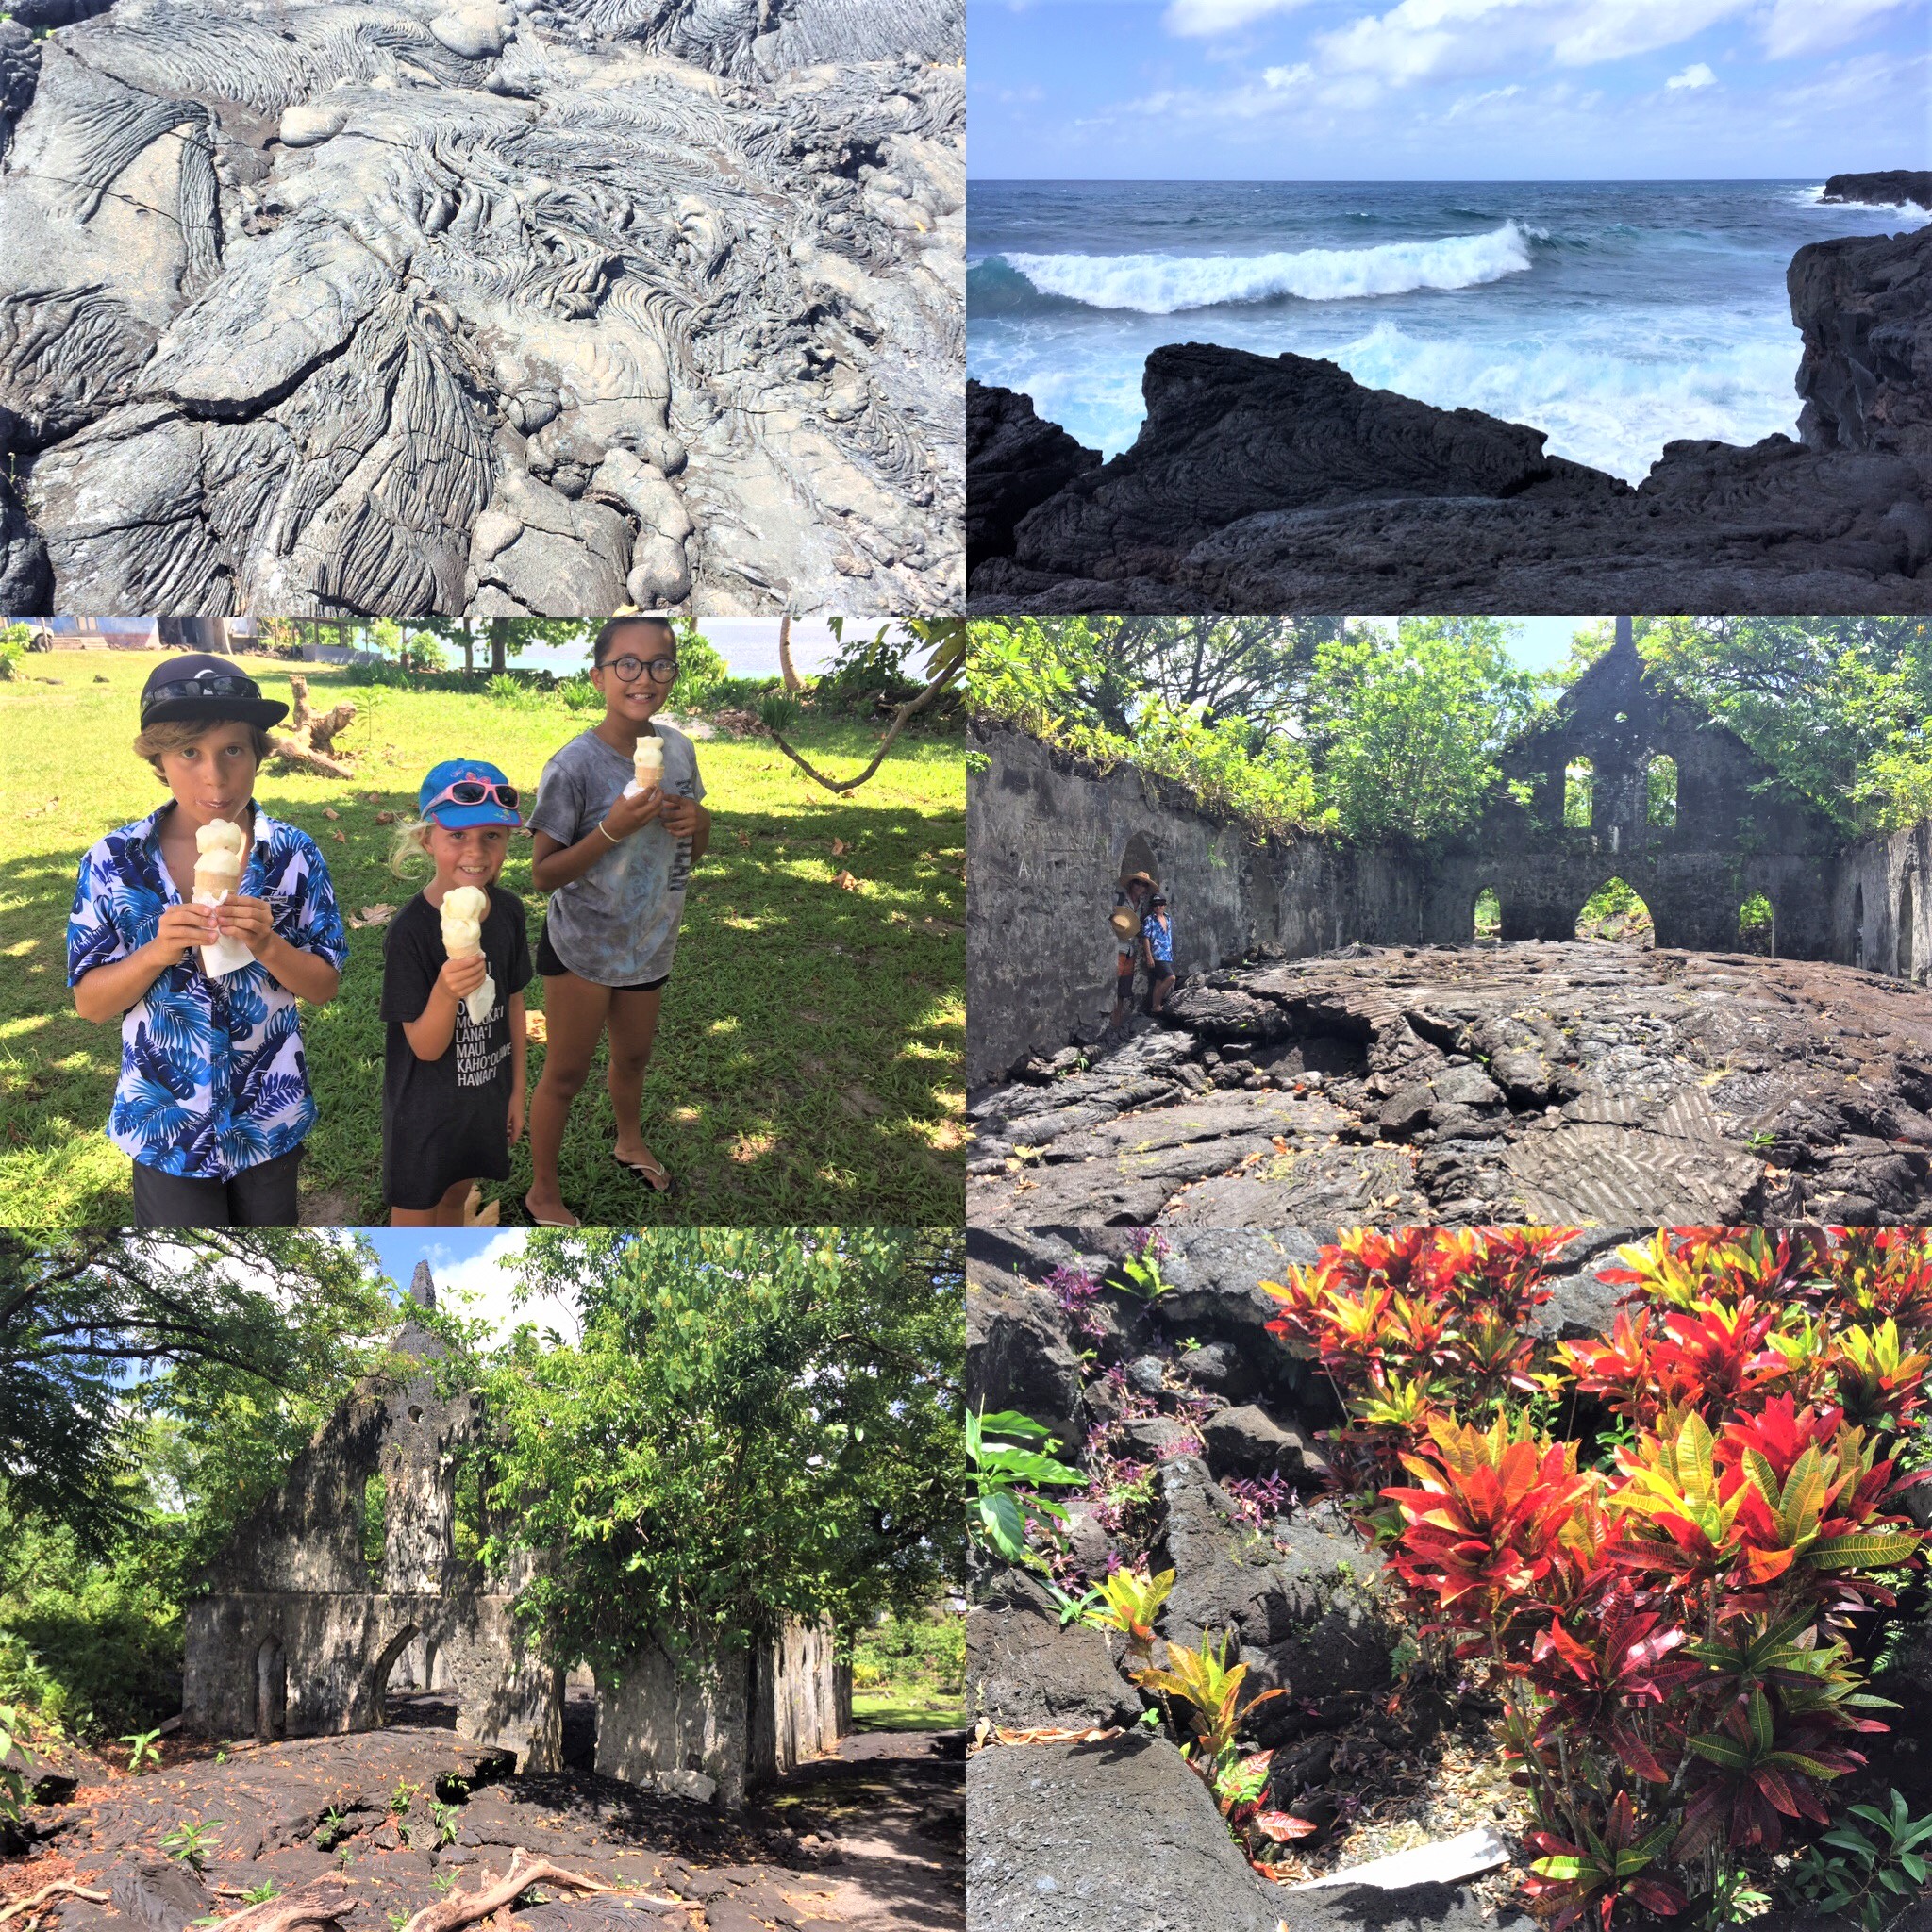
column 1202, row 17
column 1808, row 27
column 478, row 1286
column 1695, row 75
column 1297, row 76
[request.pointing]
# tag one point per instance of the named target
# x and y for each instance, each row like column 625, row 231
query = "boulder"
column 1017, row 461
column 1017, row 1355
column 1300, row 1605
column 1025, row 1672
column 1119, row 1837
column 1248, row 1442
column 1865, row 306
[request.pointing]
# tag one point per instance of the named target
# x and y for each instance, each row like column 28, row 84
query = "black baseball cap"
column 201, row 686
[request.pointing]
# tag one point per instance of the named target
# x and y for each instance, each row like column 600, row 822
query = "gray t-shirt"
column 618, row 924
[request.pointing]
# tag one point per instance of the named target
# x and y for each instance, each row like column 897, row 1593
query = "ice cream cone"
column 648, row 764
column 219, row 849
column 464, row 909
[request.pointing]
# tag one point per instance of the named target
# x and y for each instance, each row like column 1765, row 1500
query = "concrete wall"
column 738, row 1719
column 285, row 1663
column 1881, row 907
column 1048, row 838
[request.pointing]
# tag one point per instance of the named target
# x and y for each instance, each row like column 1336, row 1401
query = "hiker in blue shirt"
column 1156, row 939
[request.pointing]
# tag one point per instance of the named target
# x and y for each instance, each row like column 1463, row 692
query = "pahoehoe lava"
column 1268, row 485
column 1550, row 1082
column 442, row 306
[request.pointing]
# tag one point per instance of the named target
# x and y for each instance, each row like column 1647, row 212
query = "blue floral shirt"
column 212, row 1075
column 1159, row 932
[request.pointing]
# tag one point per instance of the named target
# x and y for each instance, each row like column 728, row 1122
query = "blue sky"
column 1448, row 90
column 472, row 1270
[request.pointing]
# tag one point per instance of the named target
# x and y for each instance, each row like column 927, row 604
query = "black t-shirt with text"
column 446, row 1120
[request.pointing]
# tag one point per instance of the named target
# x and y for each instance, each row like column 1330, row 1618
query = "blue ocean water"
column 1616, row 316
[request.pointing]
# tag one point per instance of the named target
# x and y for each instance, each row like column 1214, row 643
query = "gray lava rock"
column 1025, row 1672
column 1248, row 1442
column 415, row 309
column 160, row 1895
column 1889, row 187
column 1221, row 1370
column 1121, row 1836
column 1017, row 461
column 1017, row 1355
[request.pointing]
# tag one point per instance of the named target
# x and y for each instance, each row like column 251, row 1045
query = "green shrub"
column 929, row 1650
column 13, row 644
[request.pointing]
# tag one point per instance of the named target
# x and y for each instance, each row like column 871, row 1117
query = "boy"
column 213, row 1102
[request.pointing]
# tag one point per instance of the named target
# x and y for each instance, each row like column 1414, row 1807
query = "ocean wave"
column 1163, row 284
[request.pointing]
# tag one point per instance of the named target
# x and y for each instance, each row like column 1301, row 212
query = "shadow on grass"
column 807, row 1058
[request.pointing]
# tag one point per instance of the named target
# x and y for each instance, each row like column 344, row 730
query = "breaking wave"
column 1163, row 284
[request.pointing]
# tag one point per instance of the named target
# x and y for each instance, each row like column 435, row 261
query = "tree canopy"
column 753, row 1422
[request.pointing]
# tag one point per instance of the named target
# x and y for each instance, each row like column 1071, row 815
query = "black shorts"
column 549, row 965
column 259, row 1196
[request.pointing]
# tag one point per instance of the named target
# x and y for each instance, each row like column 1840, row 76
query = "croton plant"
column 1664, row 1546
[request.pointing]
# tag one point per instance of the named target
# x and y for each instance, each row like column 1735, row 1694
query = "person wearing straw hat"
column 1129, row 897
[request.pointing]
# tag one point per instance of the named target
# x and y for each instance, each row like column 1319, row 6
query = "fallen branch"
column 296, row 1910
column 55, row 1888
column 466, row 1908
column 912, row 707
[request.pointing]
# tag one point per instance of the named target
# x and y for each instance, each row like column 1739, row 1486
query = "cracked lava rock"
column 405, row 1817
column 448, row 307
column 1587, row 1083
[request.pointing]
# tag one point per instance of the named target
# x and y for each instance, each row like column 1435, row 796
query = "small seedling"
column 221, row 1758
column 191, row 1843
column 142, row 1753
column 333, row 1827
column 446, row 1822
column 399, row 1798
column 443, row 1883
column 397, row 1921
column 261, row 1893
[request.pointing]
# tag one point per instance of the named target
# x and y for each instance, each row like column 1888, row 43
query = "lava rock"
column 1018, row 460
column 1248, row 1442
column 1017, row 1355
column 1071, row 1837
column 1889, row 188
column 1025, row 1671
column 160, row 1895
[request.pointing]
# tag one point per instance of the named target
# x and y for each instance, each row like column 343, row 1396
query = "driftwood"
column 466, row 1908
column 308, row 742
column 911, row 708
column 302, row 1910
column 58, row 1888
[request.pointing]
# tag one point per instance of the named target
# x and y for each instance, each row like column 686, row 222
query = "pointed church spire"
column 422, row 1287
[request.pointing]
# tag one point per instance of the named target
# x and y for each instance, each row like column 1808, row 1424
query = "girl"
column 1156, row 936
column 212, row 1101
column 614, row 862
column 452, row 1084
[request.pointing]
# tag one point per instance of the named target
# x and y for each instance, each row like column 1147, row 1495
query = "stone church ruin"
column 304, row 1630
column 1624, row 781
column 1389, row 1034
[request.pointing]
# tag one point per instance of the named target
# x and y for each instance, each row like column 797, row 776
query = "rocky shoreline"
column 1889, row 188
column 1277, row 484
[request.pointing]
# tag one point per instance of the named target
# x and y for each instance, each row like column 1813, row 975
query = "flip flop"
column 653, row 1172
column 542, row 1223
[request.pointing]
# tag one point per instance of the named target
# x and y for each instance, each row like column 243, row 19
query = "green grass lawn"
column 808, row 1066
column 912, row 1704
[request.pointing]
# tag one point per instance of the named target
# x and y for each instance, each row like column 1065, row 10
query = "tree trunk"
column 468, row 649
column 785, row 654
column 499, row 634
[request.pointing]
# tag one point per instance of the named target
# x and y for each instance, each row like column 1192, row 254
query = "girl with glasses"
column 614, row 855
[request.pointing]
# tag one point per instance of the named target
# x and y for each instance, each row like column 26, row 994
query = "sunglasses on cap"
column 474, row 791
column 207, row 685
column 631, row 668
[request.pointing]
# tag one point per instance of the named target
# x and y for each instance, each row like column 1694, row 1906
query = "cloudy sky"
column 472, row 1275
column 1448, row 90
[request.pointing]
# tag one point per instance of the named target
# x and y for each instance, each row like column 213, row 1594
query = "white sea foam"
column 1161, row 283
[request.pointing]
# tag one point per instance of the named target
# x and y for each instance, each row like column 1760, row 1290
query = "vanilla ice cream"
column 219, row 848
column 464, row 909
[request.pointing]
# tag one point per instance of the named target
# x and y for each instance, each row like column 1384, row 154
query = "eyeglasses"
column 631, row 668
column 211, row 684
column 473, row 791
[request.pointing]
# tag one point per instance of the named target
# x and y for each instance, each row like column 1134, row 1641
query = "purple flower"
column 1150, row 1244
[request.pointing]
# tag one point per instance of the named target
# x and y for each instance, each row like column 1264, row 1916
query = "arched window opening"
column 1904, row 930
column 1661, row 791
column 1858, row 947
column 1579, row 780
column 1488, row 914
column 1758, row 926
column 1616, row 912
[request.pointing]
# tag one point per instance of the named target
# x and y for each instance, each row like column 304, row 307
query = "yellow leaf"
column 845, row 882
